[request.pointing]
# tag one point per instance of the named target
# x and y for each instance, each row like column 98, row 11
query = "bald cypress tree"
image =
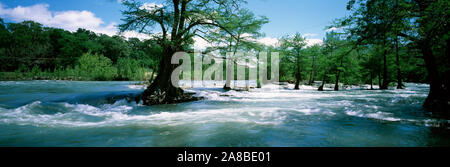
column 292, row 47
column 177, row 21
column 423, row 23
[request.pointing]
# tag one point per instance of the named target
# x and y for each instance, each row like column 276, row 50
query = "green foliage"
column 50, row 53
column 28, row 50
column 419, row 27
column 292, row 49
column 130, row 69
column 88, row 67
column 97, row 67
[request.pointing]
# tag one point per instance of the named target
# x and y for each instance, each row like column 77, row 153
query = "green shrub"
column 127, row 68
column 96, row 67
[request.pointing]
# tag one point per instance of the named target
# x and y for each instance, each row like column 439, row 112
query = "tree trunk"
column 230, row 70
column 385, row 75
column 336, row 85
column 314, row 75
column 298, row 75
column 227, row 85
column 438, row 98
column 297, row 82
column 371, row 80
column 323, row 82
column 161, row 91
column 397, row 61
column 152, row 75
column 258, row 81
column 379, row 79
column 311, row 76
column 235, row 75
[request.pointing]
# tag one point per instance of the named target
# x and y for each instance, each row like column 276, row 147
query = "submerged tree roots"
column 159, row 96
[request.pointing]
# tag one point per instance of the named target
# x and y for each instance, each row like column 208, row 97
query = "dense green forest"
column 30, row 51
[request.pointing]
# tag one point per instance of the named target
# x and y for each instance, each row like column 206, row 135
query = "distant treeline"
column 339, row 60
column 30, row 51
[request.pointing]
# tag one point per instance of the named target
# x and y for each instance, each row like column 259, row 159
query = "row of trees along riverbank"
column 392, row 40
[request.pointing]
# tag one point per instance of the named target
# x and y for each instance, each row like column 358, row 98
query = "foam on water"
column 137, row 86
column 275, row 112
column 377, row 115
column 354, row 101
column 118, row 114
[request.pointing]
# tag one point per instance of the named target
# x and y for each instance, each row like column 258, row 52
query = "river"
column 73, row 113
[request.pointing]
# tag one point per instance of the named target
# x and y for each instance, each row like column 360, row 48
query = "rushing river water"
column 66, row 113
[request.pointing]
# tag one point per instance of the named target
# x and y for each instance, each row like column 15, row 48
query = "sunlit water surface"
column 66, row 113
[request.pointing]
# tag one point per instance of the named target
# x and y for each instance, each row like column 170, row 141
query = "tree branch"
column 408, row 37
column 198, row 23
column 176, row 18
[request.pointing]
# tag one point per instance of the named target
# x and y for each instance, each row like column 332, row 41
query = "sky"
column 308, row 17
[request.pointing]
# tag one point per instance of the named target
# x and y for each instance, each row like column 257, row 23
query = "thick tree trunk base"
column 320, row 88
column 400, row 85
column 438, row 105
column 371, row 84
column 297, row 82
column 438, row 100
column 297, row 86
column 159, row 96
column 161, row 91
column 225, row 87
column 336, row 84
column 323, row 84
column 385, row 84
column 384, row 87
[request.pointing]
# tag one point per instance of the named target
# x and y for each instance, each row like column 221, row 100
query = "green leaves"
column 97, row 67
column 244, row 28
column 28, row 46
column 128, row 69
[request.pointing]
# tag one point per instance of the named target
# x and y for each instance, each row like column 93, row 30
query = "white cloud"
column 201, row 44
column 69, row 20
column 246, row 35
column 309, row 35
column 269, row 41
column 134, row 34
column 150, row 6
column 311, row 42
column 332, row 29
column 37, row 13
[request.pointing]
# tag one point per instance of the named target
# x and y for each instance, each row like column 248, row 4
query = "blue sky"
column 309, row 17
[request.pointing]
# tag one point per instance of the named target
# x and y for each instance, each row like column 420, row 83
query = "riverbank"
column 68, row 75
